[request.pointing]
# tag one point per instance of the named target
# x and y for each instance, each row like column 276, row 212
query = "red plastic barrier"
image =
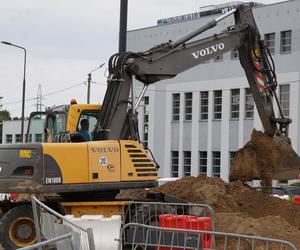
column 296, row 199
column 188, row 222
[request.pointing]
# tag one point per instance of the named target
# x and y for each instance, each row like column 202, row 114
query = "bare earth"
column 241, row 209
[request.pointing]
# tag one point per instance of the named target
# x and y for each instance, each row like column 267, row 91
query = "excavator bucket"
column 265, row 158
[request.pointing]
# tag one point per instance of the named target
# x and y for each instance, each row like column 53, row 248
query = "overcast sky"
column 65, row 39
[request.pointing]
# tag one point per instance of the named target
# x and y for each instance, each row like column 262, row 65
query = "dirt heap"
column 267, row 158
column 239, row 208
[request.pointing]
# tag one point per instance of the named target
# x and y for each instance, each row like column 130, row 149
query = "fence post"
column 36, row 219
column 91, row 239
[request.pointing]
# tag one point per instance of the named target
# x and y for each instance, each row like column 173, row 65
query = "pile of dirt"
column 267, row 158
column 240, row 208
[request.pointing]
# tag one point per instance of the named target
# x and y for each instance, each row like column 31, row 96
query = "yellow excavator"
column 116, row 158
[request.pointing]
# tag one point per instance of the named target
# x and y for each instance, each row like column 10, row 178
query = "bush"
column 296, row 184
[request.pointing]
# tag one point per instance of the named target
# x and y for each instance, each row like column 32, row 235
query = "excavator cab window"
column 91, row 116
column 56, row 123
column 35, row 131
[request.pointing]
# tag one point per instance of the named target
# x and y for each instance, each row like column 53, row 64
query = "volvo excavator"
column 116, row 158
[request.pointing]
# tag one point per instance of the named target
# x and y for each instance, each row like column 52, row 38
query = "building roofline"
column 254, row 7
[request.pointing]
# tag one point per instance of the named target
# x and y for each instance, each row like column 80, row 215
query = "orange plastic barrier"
column 188, row 222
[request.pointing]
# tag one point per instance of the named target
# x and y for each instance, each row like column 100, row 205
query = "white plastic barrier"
column 105, row 230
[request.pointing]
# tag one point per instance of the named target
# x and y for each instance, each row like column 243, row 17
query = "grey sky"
column 65, row 40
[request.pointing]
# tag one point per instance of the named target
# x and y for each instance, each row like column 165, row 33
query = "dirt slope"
column 241, row 209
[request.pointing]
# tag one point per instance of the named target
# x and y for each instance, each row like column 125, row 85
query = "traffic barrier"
column 296, row 199
column 105, row 230
column 188, row 222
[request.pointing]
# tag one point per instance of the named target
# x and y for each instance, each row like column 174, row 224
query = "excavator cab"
column 57, row 122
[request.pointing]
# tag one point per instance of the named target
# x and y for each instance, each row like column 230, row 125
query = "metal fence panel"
column 136, row 236
column 50, row 224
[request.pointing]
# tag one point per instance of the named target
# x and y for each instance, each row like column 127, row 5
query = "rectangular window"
column 146, row 120
column 188, row 101
column 203, row 105
column 249, row 104
column 8, row 138
column 285, row 41
column 270, row 42
column 218, row 58
column 186, row 163
column 216, row 163
column 235, row 54
column 174, row 163
column 231, row 156
column 203, row 163
column 284, row 97
column 38, row 137
column 235, row 103
column 18, row 138
column 217, row 104
column 176, row 107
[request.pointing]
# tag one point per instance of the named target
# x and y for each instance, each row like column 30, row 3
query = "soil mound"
column 267, row 158
column 240, row 208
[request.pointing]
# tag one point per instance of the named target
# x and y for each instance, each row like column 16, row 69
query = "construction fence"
column 149, row 225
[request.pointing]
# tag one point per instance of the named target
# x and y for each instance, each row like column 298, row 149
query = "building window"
column 249, row 104
column 216, row 163
column 270, row 42
column 231, row 156
column 38, row 137
column 146, row 120
column 188, row 101
column 203, row 163
column 18, row 138
column 286, row 41
column 218, row 58
column 235, row 103
column 186, row 163
column 8, row 138
column 176, row 107
column 203, row 105
column 174, row 163
column 284, row 97
column 30, row 138
column 235, row 54
column 217, row 104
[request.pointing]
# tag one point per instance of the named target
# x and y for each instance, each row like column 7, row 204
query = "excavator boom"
column 118, row 118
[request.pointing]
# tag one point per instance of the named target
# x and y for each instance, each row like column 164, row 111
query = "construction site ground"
column 238, row 207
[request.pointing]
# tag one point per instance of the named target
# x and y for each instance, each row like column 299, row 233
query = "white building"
column 11, row 132
column 196, row 121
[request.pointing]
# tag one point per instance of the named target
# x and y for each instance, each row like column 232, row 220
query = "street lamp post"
column 89, row 81
column 24, row 85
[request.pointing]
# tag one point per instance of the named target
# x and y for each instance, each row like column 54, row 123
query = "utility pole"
column 123, row 25
column 89, row 81
column 89, row 87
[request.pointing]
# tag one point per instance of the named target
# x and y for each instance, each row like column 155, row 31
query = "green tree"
column 4, row 116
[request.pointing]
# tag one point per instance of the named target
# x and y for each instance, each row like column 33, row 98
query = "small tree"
column 4, row 116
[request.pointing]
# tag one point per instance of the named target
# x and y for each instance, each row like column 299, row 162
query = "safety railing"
column 136, row 236
column 148, row 212
column 49, row 225
column 175, row 215
column 66, row 239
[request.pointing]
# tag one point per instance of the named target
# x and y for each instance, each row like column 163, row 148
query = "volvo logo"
column 208, row 50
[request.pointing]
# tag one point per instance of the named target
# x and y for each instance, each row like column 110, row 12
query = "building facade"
column 195, row 122
column 11, row 132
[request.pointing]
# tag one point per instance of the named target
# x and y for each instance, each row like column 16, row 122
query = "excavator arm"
column 118, row 119
column 118, row 116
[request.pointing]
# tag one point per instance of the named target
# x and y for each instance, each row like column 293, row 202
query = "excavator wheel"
column 17, row 228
